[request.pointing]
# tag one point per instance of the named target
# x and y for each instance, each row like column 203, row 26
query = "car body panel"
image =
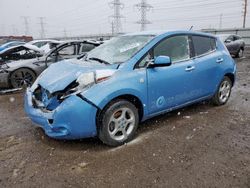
column 158, row 89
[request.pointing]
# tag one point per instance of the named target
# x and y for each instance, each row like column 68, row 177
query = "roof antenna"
column 191, row 28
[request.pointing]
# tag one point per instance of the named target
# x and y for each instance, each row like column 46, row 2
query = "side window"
column 68, row 50
column 144, row 61
column 86, row 48
column 203, row 45
column 231, row 38
column 177, row 48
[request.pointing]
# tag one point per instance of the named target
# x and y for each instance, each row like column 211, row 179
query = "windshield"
column 119, row 49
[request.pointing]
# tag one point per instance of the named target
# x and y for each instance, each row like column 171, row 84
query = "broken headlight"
column 86, row 80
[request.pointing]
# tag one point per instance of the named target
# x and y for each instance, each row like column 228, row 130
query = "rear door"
column 207, row 62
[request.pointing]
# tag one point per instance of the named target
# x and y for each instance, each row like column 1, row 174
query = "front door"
column 171, row 86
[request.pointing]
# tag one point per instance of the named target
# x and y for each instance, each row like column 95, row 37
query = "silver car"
column 18, row 73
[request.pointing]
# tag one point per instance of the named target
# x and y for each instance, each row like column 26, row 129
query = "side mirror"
column 160, row 61
column 228, row 41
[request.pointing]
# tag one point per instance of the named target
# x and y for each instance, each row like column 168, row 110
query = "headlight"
column 86, row 80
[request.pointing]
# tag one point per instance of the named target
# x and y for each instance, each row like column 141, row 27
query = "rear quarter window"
column 203, row 45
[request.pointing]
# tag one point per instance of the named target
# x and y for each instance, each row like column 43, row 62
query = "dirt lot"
column 198, row 146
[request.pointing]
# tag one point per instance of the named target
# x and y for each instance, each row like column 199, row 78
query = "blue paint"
column 165, row 88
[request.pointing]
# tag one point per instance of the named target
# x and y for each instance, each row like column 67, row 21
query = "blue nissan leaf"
column 127, row 80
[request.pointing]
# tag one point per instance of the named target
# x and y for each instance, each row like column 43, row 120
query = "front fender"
column 125, row 83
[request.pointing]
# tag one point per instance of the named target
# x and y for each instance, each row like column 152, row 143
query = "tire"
column 223, row 92
column 240, row 53
column 118, row 123
column 21, row 78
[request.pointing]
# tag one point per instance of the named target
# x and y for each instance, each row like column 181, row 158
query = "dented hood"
column 59, row 75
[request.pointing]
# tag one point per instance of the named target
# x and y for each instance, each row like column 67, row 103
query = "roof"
column 168, row 32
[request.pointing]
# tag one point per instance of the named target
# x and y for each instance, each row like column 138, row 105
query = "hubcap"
column 22, row 78
column 224, row 91
column 121, row 124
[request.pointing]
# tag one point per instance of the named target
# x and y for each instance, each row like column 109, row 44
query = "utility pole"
column 143, row 7
column 116, row 23
column 42, row 32
column 220, row 26
column 26, row 24
column 244, row 13
column 14, row 30
column 65, row 33
column 112, row 28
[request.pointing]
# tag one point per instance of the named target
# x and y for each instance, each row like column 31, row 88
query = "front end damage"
column 67, row 118
column 56, row 103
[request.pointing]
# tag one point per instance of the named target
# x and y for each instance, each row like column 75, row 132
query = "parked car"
column 127, row 80
column 234, row 43
column 10, row 44
column 19, row 73
column 46, row 45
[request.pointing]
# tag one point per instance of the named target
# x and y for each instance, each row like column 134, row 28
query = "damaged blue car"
column 127, row 80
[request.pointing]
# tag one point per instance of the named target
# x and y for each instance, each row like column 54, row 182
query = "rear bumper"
column 74, row 118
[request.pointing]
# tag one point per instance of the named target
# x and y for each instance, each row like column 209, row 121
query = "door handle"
column 189, row 68
column 220, row 60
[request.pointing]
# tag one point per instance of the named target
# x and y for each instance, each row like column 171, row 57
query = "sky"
column 83, row 17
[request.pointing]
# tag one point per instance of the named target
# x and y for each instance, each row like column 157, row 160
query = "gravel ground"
column 197, row 146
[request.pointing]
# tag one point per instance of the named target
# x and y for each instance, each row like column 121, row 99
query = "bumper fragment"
column 74, row 118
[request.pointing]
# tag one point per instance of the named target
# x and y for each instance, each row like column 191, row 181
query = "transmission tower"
column 26, row 24
column 42, row 32
column 116, row 23
column 143, row 7
column 244, row 13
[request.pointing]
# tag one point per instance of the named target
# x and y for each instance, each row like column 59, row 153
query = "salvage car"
column 234, row 43
column 16, row 73
column 127, row 80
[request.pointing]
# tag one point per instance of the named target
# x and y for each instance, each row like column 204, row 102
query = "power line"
column 244, row 13
column 143, row 8
column 42, row 32
column 117, row 6
column 26, row 24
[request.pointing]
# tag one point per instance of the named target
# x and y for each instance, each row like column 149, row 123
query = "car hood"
column 59, row 75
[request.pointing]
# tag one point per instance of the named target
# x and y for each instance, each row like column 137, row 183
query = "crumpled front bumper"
column 74, row 118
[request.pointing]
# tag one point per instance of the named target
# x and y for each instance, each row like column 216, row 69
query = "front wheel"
column 118, row 123
column 223, row 92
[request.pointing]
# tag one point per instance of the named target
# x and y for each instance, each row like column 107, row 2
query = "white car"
column 45, row 45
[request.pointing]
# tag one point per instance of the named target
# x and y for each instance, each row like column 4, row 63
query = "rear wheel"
column 240, row 53
column 223, row 92
column 118, row 123
column 22, row 77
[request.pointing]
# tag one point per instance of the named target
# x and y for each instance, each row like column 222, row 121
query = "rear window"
column 203, row 45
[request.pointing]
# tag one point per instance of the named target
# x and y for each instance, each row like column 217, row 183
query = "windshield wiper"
column 99, row 60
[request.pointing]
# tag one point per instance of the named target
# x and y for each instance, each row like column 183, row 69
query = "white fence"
column 243, row 32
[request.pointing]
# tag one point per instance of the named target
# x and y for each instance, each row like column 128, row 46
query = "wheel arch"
column 231, row 77
column 129, row 97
